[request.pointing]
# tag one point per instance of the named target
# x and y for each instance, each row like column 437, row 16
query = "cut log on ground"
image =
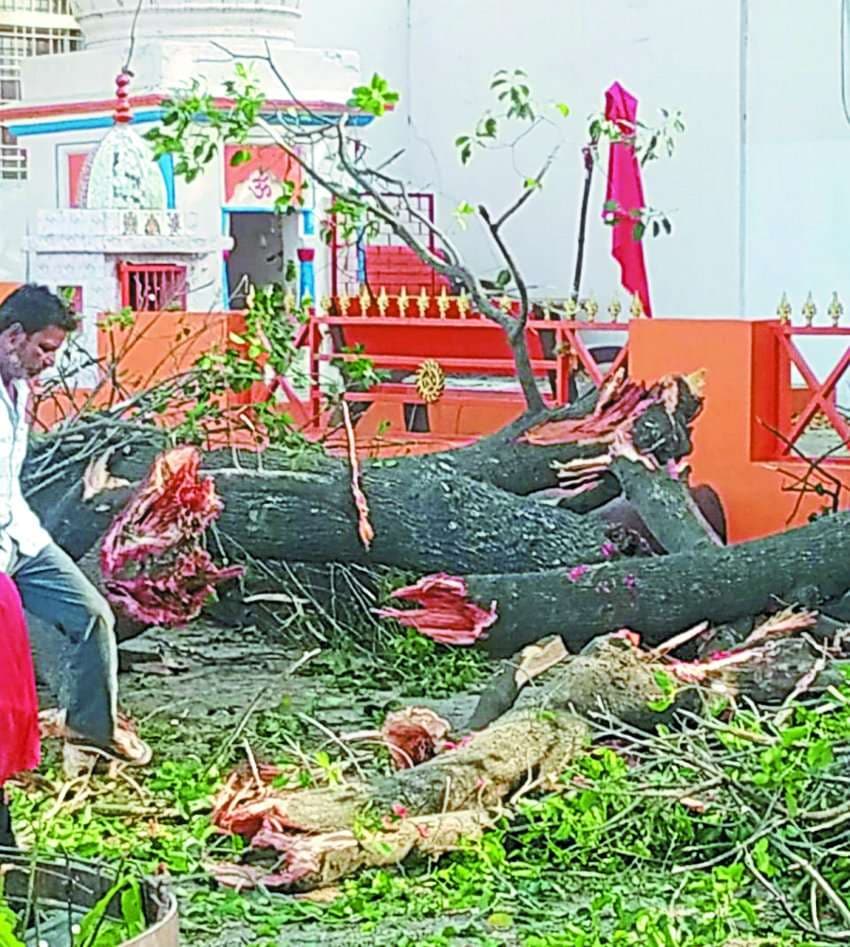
column 657, row 597
column 316, row 837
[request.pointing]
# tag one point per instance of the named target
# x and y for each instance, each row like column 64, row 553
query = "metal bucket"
column 64, row 890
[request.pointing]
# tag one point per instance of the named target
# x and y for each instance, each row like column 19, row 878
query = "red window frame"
column 152, row 287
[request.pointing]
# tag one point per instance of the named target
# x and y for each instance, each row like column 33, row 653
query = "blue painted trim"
column 308, row 220
column 361, row 259
column 307, row 282
column 166, row 166
column 225, row 282
column 146, row 116
column 79, row 124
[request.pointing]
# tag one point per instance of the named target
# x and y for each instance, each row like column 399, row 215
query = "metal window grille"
column 16, row 44
column 54, row 7
column 152, row 287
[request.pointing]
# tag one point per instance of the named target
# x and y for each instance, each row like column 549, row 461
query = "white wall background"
column 677, row 55
column 758, row 190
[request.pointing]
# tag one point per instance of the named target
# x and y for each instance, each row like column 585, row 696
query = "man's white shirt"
column 19, row 526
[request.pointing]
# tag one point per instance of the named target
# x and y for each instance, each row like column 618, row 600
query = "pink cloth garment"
column 626, row 191
column 20, row 747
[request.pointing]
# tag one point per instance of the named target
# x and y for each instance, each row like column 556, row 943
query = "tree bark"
column 656, row 597
column 426, row 518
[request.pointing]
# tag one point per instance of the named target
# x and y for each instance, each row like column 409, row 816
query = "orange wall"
column 158, row 346
column 742, row 386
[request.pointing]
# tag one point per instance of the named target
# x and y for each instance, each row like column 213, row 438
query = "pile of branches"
column 762, row 783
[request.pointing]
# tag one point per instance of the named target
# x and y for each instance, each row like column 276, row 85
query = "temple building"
column 103, row 220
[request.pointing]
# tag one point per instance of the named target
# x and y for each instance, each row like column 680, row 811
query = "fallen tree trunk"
column 317, row 836
column 322, row 835
column 460, row 511
column 656, row 597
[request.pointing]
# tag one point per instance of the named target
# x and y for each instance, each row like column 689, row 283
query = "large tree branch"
column 455, row 270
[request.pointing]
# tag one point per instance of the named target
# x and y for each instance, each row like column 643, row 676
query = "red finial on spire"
column 122, row 113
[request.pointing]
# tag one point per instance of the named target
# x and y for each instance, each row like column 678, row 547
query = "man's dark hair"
column 35, row 308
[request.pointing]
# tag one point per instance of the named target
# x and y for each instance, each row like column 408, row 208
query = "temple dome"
column 121, row 172
column 113, row 21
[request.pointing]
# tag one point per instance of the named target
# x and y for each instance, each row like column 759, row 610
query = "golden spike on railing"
column 289, row 302
column 570, row 310
column 615, row 307
column 403, row 302
column 365, row 300
column 344, row 303
column 423, row 302
column 636, row 309
column 784, row 310
column 383, row 302
column 463, row 304
column 505, row 304
column 836, row 310
column 443, row 303
column 547, row 309
column 810, row 310
column 591, row 307
column 325, row 305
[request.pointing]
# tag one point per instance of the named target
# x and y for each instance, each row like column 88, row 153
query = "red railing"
column 398, row 333
column 815, row 404
column 152, row 287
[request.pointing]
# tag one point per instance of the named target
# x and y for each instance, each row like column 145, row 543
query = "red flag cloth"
column 626, row 192
column 20, row 747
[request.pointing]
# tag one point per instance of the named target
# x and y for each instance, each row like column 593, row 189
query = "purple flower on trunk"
column 577, row 572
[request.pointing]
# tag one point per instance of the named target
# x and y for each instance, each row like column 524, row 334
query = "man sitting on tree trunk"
column 33, row 325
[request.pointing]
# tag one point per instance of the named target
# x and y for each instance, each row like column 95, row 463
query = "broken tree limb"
column 427, row 522
column 666, row 506
column 428, row 513
column 657, row 597
column 152, row 561
column 423, row 520
column 524, row 456
column 315, row 837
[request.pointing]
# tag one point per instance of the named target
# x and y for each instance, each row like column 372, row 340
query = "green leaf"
column 664, row 682
column 131, row 909
column 792, row 735
column 761, row 856
column 563, row 108
column 819, row 755
column 638, row 231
